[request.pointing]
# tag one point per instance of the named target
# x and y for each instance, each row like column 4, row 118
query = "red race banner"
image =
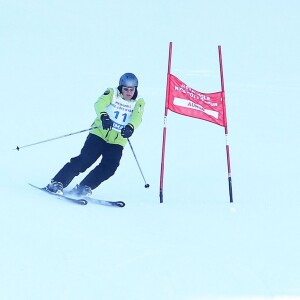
column 188, row 102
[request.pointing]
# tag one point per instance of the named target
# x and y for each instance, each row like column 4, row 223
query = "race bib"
column 120, row 111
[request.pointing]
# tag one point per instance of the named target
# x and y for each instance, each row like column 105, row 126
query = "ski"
column 82, row 201
column 98, row 201
column 104, row 202
column 77, row 201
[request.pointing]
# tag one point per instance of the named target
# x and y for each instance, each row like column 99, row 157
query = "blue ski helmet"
column 128, row 79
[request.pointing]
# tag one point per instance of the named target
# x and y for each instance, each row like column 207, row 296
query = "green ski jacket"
column 121, row 112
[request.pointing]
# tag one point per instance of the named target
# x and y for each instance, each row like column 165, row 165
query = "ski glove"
column 127, row 131
column 107, row 123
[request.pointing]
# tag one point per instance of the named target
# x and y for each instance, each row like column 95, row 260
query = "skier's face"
column 128, row 92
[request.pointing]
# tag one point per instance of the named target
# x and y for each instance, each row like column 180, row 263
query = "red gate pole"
column 225, row 125
column 165, row 129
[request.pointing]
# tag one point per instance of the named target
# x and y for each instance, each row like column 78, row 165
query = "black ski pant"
column 92, row 149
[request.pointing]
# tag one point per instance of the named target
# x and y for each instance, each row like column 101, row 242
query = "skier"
column 119, row 112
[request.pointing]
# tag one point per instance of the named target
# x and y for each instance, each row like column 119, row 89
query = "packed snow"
column 57, row 58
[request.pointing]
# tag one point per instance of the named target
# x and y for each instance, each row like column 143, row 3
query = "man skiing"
column 119, row 112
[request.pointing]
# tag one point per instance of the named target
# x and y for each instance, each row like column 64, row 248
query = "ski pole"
column 146, row 184
column 59, row 137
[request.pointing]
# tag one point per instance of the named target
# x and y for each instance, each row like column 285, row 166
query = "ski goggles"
column 128, row 89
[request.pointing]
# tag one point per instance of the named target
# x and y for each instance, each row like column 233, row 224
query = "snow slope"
column 182, row 249
column 57, row 57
